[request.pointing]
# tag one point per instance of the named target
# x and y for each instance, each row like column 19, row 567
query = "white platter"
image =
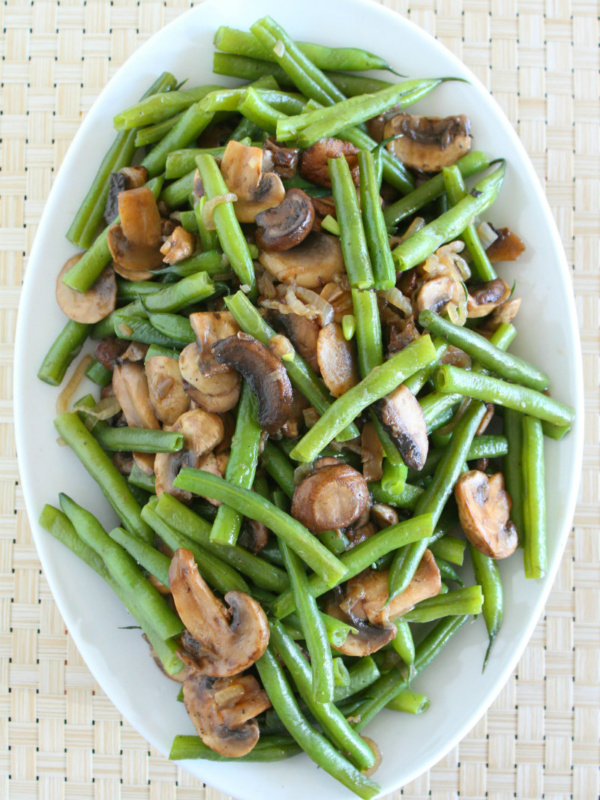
column 547, row 334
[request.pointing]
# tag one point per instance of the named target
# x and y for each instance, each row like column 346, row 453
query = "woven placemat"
column 59, row 735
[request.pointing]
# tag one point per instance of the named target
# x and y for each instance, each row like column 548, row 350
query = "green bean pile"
column 301, row 340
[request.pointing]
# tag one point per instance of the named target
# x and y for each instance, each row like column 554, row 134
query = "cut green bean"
column 182, row 162
column 450, row 549
column 448, row 572
column 513, row 468
column 177, row 331
column 462, row 601
column 487, row 576
column 63, row 350
column 210, row 261
column 407, row 498
column 534, row 499
column 150, row 559
column 403, row 642
column 138, row 478
column 154, row 133
column 486, row 446
column 279, row 467
column 186, row 131
column 98, row 373
column 362, row 673
column 138, row 329
column 177, row 194
column 160, row 107
column 374, row 223
column 140, row 440
column 352, row 235
column 267, row 749
column 409, row 702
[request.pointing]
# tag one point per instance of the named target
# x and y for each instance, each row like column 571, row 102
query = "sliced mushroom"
column 135, row 242
column 314, row 161
column 507, row 247
column 332, row 497
column 254, row 536
column 211, row 327
column 123, row 462
column 93, row 305
column 107, row 351
column 178, row 246
column 286, row 225
column 165, row 388
column 256, row 191
column 131, row 390
column 487, row 418
column 284, row 160
column 313, row 263
column 302, row 331
column 266, row 376
column 504, row 313
column 402, row 334
column 484, row 512
column 231, row 639
column 223, row 710
column 337, row 359
column 215, row 465
column 126, row 178
column 428, row 143
column 371, row 453
column 485, row 297
column 202, row 432
column 402, row 417
column 216, row 392
column 384, row 516
column 436, row 294
column 359, row 533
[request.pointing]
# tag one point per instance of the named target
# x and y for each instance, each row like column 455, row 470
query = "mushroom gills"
column 241, row 167
column 428, row 143
column 286, row 225
column 484, row 513
column 311, row 264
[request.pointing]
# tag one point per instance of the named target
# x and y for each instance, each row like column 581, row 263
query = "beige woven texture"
column 59, row 735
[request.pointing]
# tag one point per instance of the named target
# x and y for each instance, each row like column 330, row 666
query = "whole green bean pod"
column 487, row 576
column 113, row 485
column 177, row 331
column 374, row 223
column 352, row 234
column 182, row 162
column 160, row 106
column 241, row 467
column 279, row 467
column 448, row 379
column 140, row 440
column 148, row 557
column 513, row 468
column 379, row 382
column 63, row 350
column 449, row 225
column 314, row 744
column 228, row 228
column 266, row 750
column 534, row 498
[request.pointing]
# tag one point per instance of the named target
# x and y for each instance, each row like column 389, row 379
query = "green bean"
column 228, row 228
column 314, row 744
column 409, row 702
column 187, row 130
column 177, row 194
column 534, row 499
column 246, row 130
column 209, row 261
column 449, row 379
column 138, row 478
column 436, row 495
column 487, row 576
column 362, row 556
column 450, row 549
column 379, row 382
column 141, row 440
column 374, row 223
column 352, row 234
column 301, row 375
column 138, row 329
column 154, row 133
column 455, row 192
column 486, row 446
column 462, row 601
column 407, row 498
column 63, row 350
column 98, row 373
column 113, row 485
column 59, row 525
column 84, row 273
column 176, row 330
column 351, row 59
column 185, row 521
column 129, row 291
column 267, row 749
column 285, row 527
column 362, row 673
column 335, row 541
column 279, row 468
column 513, row 468
column 331, row 720
column 417, row 381
column 448, row 226
column 394, row 171
column 390, row 685
column 216, row 573
column 427, row 192
column 337, row 631
column 340, row 675
column 123, row 569
column 160, row 107
column 259, row 112
column 181, row 162
column 208, row 238
column 487, row 354
column 150, row 559
column 241, row 467
column 175, row 296
column 403, row 642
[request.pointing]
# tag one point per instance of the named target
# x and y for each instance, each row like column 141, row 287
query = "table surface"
column 59, row 735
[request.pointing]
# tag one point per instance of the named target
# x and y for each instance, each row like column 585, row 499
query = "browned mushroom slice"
column 314, row 161
column 266, row 376
column 93, row 305
column 487, row 418
column 223, row 709
column 178, row 246
column 313, row 263
column 286, row 225
column 402, row 417
column 402, row 334
column 254, row 536
column 428, row 143
column 131, row 390
column 331, row 497
column 126, row 178
column 507, row 247
column 108, row 350
column 504, row 313
column 359, row 533
column 123, row 462
column 165, row 389
column 302, row 331
column 337, row 359
column 211, row 327
column 215, row 392
column 202, row 432
column 384, row 516
column 133, row 274
column 134, row 243
column 485, row 297
column 284, row 160
column 437, row 293
column 256, row 191
column 231, row 639
column 484, row 512
column 371, row 453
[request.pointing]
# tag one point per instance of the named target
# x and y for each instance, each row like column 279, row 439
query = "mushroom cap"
column 286, row 225
column 202, row 432
column 484, row 513
column 402, row 417
column 337, row 359
column 302, row 332
column 503, row 313
column 437, row 293
column 232, row 639
column 485, row 297
column 223, row 710
column 283, row 160
column 125, row 178
column 165, row 389
column 428, row 143
column 131, row 390
column 135, row 241
column 178, row 246
column 211, row 327
column 266, row 376
column 91, row 306
column 313, row 263
column 507, row 247
column 314, row 161
column 371, row 453
column 215, row 392
column 333, row 496
column 241, row 167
